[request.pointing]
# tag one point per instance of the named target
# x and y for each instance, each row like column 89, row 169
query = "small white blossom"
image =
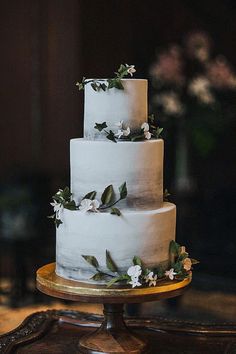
column 170, row 274
column 126, row 132
column 134, row 271
column 151, row 279
column 131, row 69
column 119, row 124
column 135, row 282
column 58, row 209
column 145, row 127
column 119, row 134
column 122, row 132
column 147, row 135
column 89, row 205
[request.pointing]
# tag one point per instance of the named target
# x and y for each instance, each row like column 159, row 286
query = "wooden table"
column 58, row 332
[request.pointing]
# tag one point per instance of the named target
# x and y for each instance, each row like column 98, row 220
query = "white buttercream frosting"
column 96, row 164
column 146, row 234
column 113, row 105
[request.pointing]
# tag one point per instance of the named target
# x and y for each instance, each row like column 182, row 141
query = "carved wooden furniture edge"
column 36, row 325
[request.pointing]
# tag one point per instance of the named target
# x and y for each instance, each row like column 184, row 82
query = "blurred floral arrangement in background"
column 193, row 94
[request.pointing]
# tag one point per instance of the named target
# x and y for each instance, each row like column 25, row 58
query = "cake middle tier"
column 97, row 164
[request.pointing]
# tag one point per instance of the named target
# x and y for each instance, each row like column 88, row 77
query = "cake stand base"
column 113, row 336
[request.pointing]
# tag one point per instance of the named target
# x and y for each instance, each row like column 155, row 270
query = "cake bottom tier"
column 146, row 234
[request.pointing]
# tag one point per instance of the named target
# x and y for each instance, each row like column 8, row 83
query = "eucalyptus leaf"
column 91, row 260
column 194, row 261
column 123, row 191
column 70, row 205
column 95, row 86
column 174, row 248
column 115, row 211
column 100, row 126
column 110, row 263
column 137, row 261
column 107, row 195
column 117, row 279
column 111, row 136
column 90, row 195
column 57, row 222
column 99, row 276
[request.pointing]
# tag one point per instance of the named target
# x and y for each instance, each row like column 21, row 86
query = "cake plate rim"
column 48, row 282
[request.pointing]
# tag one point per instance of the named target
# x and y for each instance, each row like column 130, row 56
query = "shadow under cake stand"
column 113, row 337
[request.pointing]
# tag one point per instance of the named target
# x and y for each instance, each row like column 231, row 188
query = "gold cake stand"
column 113, row 337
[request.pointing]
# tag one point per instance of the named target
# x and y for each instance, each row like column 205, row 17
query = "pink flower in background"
column 169, row 66
column 220, row 74
column 198, row 45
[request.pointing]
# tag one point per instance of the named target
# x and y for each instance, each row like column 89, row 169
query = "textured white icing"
column 146, row 234
column 96, row 164
column 115, row 105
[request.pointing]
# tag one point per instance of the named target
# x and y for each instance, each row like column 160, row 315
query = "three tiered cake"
column 91, row 241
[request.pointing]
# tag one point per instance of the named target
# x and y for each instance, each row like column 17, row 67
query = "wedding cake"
column 102, row 231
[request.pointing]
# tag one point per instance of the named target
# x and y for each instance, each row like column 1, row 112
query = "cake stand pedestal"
column 113, row 337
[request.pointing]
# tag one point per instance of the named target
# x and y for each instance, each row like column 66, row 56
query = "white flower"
column 170, row 273
column 151, row 279
column 145, row 127
column 120, row 133
column 147, row 135
column 134, row 271
column 130, row 69
column 58, row 209
column 119, row 124
column 89, row 205
column 134, row 282
column 126, row 132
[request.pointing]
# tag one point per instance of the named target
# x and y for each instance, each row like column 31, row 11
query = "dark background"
column 46, row 46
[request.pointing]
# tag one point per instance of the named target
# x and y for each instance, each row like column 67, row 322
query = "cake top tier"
column 114, row 105
column 113, row 101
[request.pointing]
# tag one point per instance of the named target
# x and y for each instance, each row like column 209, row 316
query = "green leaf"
column 137, row 261
column 118, row 84
column 103, row 87
column 194, row 261
column 166, row 194
column 107, row 195
column 123, row 191
column 98, row 276
column 70, row 205
column 174, row 248
column 91, row 260
column 117, row 279
column 95, row 86
column 66, row 194
column 151, row 118
column 90, row 195
column 110, row 263
column 137, row 137
column 158, row 132
column 111, row 136
column 57, row 222
column 51, row 216
column 178, row 266
column 100, row 126
column 115, row 211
